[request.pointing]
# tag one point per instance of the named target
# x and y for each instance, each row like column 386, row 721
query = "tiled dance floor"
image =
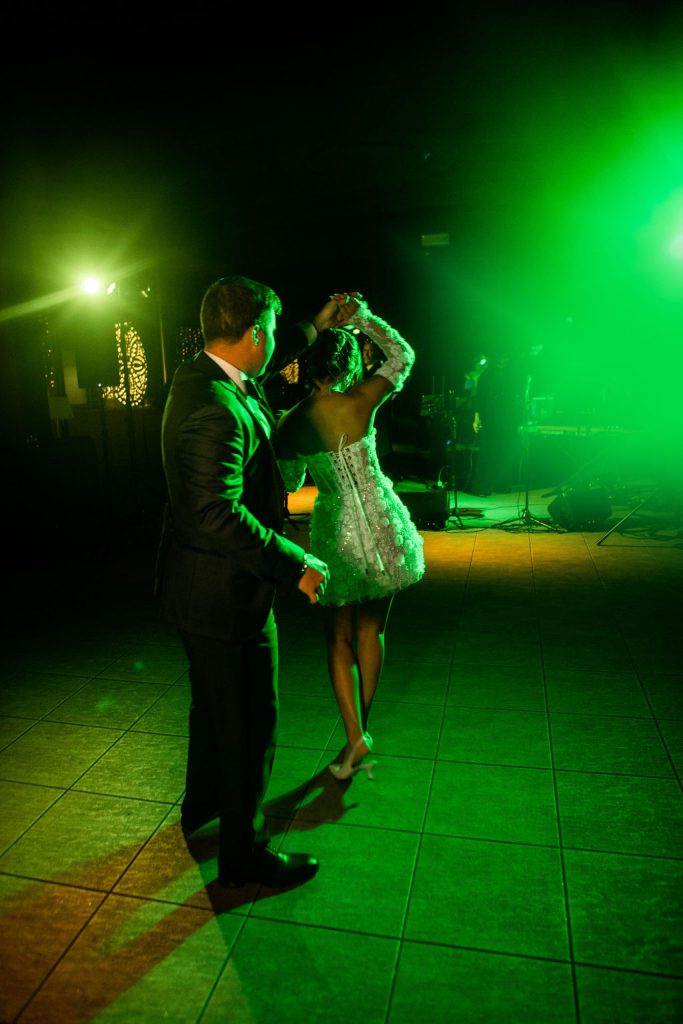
column 518, row 857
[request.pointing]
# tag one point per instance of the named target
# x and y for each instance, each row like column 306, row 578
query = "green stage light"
column 91, row 285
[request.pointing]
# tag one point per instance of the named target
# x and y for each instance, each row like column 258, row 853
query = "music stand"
column 524, row 520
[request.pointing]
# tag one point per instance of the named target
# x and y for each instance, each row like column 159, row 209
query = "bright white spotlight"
column 91, row 286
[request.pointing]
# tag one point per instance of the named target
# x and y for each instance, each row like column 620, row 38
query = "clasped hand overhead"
column 338, row 311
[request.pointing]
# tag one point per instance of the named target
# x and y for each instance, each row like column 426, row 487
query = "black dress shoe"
column 192, row 822
column 270, row 868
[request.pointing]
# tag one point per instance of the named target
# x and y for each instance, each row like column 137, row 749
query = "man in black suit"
column 222, row 556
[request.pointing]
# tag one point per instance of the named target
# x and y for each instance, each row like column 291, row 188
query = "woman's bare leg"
column 371, row 624
column 343, row 668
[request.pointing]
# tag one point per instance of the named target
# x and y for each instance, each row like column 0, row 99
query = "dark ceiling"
column 298, row 150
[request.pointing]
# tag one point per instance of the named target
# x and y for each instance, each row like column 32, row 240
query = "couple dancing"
column 223, row 556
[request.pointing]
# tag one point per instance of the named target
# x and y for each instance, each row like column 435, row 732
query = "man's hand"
column 338, row 311
column 314, row 578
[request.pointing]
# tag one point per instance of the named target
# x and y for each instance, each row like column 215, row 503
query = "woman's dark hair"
column 334, row 355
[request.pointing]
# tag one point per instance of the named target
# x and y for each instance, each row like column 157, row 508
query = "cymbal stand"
column 626, row 518
column 658, row 490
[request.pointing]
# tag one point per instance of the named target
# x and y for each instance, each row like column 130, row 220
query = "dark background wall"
column 545, row 146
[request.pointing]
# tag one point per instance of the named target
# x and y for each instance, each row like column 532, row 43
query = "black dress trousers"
column 233, row 726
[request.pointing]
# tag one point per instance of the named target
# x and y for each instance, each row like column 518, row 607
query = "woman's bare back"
column 318, row 422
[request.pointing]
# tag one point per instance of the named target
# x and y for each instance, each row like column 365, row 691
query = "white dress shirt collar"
column 233, row 372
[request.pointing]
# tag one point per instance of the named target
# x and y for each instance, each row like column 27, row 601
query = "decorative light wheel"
column 137, row 368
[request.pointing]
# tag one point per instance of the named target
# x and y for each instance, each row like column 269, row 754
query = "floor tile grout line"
column 425, row 815
column 387, row 936
column 221, row 972
column 643, row 690
column 35, row 821
column 106, row 896
column 74, row 783
column 537, row 958
column 69, row 946
column 628, row 970
column 409, row 893
column 559, row 771
column 290, row 820
column 90, row 725
column 124, row 732
column 67, row 789
column 402, row 757
column 558, row 822
column 52, row 881
column 462, row 837
column 490, row 839
column 274, row 918
column 606, row 967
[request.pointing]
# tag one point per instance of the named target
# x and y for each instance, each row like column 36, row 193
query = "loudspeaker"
column 588, row 508
column 428, row 506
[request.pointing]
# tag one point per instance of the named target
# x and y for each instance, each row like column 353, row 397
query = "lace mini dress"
column 359, row 525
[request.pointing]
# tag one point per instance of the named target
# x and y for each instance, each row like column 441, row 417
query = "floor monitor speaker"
column 428, row 506
column 586, row 508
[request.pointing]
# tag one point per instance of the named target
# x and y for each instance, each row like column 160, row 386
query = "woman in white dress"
column 359, row 526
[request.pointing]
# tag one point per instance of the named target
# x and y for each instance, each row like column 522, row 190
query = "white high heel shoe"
column 348, row 768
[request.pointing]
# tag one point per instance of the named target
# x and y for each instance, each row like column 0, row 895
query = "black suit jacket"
column 222, row 555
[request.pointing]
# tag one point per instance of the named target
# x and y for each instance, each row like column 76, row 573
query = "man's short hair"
column 233, row 304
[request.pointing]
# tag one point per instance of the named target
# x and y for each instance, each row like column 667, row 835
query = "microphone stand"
column 451, row 462
column 525, row 520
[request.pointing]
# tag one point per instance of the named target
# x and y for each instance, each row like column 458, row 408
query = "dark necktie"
column 259, row 403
